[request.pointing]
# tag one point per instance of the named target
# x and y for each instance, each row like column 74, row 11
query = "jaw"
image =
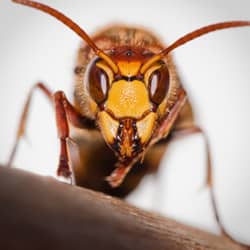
column 127, row 142
column 127, row 137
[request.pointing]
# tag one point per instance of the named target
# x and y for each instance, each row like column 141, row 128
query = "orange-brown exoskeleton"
column 129, row 98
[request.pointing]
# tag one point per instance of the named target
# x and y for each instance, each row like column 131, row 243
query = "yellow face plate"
column 128, row 99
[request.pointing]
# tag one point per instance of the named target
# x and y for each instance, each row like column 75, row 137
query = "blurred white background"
column 215, row 70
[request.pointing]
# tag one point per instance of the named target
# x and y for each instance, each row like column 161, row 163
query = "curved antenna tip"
column 191, row 36
column 70, row 24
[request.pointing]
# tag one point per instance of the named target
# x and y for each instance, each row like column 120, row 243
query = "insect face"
column 126, row 103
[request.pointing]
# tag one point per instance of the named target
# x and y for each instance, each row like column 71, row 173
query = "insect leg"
column 118, row 175
column 209, row 179
column 167, row 124
column 23, row 119
column 164, row 130
column 190, row 131
column 66, row 113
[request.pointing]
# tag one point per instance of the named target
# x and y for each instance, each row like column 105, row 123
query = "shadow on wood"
column 41, row 213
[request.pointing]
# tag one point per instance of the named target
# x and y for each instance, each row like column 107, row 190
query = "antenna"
column 73, row 26
column 191, row 36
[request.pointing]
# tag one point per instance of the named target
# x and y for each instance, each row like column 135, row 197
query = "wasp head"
column 127, row 101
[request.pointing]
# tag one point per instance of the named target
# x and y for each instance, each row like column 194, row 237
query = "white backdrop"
column 215, row 70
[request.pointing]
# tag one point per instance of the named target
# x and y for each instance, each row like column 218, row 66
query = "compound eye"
column 98, row 84
column 159, row 85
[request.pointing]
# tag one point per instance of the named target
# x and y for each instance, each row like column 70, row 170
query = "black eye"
column 98, row 84
column 159, row 85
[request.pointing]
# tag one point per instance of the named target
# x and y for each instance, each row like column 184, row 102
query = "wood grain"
column 40, row 213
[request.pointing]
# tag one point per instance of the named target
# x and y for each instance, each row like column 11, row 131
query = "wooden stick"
column 40, row 213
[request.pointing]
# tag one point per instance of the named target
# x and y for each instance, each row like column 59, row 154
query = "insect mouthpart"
column 127, row 136
column 127, row 142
